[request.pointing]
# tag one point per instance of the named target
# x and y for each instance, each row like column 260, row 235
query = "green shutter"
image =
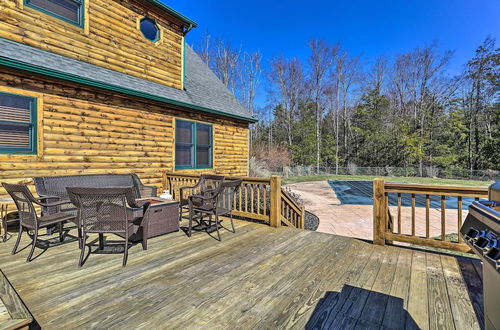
column 18, row 126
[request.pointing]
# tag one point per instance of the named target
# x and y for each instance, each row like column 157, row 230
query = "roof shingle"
column 202, row 88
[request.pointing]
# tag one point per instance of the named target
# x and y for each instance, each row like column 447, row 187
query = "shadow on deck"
column 260, row 277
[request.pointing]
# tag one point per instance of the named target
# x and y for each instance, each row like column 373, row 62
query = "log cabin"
column 110, row 86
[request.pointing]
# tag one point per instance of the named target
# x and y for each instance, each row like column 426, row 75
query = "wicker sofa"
column 54, row 187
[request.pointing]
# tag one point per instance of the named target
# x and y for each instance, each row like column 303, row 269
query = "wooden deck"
column 260, row 277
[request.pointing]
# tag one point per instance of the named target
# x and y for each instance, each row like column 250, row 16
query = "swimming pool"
column 361, row 193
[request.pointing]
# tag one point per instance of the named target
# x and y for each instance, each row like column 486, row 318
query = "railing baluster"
column 427, row 215
column 234, row 200
column 239, row 196
column 252, row 190
column 413, row 214
column 259, row 191
column 399, row 213
column 264, row 206
column 246, row 197
column 443, row 217
column 459, row 207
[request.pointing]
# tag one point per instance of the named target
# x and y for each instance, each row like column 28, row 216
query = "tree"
column 287, row 80
column 320, row 62
column 403, row 111
column 483, row 77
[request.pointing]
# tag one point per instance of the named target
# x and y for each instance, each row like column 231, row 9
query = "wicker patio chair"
column 206, row 184
column 28, row 216
column 216, row 203
column 104, row 210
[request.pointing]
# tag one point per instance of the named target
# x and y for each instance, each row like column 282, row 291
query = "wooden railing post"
column 164, row 181
column 379, row 212
column 303, row 217
column 275, row 214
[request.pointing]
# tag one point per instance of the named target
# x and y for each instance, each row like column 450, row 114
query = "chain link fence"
column 428, row 172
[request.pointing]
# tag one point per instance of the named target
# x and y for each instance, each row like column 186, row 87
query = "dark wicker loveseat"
column 53, row 188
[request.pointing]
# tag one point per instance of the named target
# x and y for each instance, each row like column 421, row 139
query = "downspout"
column 185, row 32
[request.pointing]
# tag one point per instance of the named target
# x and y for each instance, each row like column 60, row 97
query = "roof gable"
column 203, row 90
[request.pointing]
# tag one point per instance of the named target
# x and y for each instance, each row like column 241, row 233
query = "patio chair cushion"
column 56, row 186
column 51, row 219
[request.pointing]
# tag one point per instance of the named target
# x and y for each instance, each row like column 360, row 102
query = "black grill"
column 481, row 231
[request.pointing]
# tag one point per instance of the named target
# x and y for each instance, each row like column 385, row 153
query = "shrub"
column 352, row 168
column 273, row 158
column 258, row 168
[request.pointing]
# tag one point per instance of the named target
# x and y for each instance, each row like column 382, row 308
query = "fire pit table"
column 162, row 218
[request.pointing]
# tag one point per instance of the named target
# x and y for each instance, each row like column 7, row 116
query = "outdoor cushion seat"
column 53, row 188
column 48, row 220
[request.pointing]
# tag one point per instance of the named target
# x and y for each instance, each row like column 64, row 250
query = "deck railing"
column 388, row 227
column 261, row 199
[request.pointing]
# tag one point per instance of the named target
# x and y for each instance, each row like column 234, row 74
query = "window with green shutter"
column 70, row 11
column 17, row 124
column 193, row 145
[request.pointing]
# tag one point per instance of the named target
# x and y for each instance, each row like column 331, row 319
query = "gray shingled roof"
column 203, row 90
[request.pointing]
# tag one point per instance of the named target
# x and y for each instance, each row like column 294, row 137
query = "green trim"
column 81, row 10
column 14, row 64
column 194, row 145
column 183, row 62
column 158, row 32
column 173, row 12
column 33, row 147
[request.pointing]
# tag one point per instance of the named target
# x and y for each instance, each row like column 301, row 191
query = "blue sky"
column 368, row 28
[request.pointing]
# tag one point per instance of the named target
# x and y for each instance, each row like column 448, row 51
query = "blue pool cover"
column 361, row 193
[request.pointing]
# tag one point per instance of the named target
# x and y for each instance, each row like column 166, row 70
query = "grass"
column 448, row 182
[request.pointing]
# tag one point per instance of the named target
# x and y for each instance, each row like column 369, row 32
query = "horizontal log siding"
column 89, row 132
column 111, row 38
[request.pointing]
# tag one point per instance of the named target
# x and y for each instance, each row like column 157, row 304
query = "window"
column 193, row 145
column 68, row 10
column 17, row 124
column 149, row 29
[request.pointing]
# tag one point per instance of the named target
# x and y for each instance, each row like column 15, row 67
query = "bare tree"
column 345, row 75
column 225, row 63
column 203, row 48
column 377, row 75
column 250, row 71
column 320, row 61
column 250, row 78
column 288, row 77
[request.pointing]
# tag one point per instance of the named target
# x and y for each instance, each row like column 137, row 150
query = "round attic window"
column 150, row 29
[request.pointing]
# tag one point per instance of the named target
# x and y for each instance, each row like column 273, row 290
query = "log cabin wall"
column 110, row 37
column 84, row 131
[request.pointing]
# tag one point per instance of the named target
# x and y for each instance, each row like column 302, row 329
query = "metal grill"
column 481, row 231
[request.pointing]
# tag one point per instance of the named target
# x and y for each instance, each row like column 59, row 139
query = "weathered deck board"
column 439, row 303
column 395, row 313
column 13, row 313
column 260, row 277
column 418, row 311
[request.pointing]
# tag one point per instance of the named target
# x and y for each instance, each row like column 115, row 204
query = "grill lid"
column 494, row 192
